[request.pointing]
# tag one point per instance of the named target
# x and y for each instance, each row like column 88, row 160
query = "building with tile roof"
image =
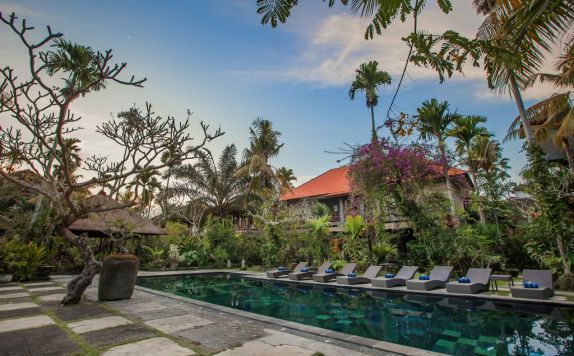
column 333, row 189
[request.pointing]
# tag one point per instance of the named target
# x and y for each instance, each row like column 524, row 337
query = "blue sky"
column 216, row 59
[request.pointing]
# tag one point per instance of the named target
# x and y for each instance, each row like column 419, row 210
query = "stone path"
column 32, row 323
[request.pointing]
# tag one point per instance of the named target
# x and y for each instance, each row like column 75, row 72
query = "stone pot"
column 174, row 265
column 118, row 277
column 5, row 278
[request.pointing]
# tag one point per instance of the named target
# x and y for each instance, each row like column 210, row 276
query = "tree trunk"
column 78, row 285
column 521, row 111
column 568, row 152
column 566, row 281
column 447, row 179
column 373, row 130
column 477, row 191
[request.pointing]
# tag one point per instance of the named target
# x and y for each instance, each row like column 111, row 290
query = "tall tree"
column 38, row 106
column 368, row 80
column 434, row 123
column 287, row 176
column 212, row 182
column 465, row 130
column 263, row 146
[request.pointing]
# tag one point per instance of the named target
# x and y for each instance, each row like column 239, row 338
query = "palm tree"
column 513, row 34
column 552, row 118
column 264, row 145
column 211, row 182
column 368, row 80
column 286, row 176
column 149, row 184
column 465, row 130
column 434, row 123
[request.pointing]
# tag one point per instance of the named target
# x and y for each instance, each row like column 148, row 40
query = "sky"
column 216, row 59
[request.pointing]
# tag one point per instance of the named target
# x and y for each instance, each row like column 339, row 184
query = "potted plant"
column 118, row 277
column 175, row 257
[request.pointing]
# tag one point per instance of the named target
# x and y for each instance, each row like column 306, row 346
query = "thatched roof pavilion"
column 103, row 224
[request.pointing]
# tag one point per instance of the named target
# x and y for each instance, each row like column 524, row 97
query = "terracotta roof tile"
column 335, row 182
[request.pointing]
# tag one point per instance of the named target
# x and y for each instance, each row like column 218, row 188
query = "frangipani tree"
column 38, row 109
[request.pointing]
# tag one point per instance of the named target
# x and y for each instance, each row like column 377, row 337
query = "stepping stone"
column 25, row 323
column 84, row 326
column 45, row 340
column 3, row 289
column 45, row 289
column 150, row 347
column 13, row 295
column 51, row 297
column 118, row 335
column 176, row 323
column 15, row 306
column 80, row 311
column 37, row 284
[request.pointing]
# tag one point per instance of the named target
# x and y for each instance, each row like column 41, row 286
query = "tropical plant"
column 353, row 239
column 465, row 130
column 264, row 145
column 434, row 123
column 368, row 79
column 211, row 182
column 316, row 245
column 551, row 188
column 149, row 184
column 286, row 176
column 26, row 258
column 156, row 256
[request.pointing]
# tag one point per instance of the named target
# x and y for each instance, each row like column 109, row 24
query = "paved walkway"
column 31, row 323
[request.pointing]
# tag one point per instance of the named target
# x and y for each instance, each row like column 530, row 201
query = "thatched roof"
column 114, row 221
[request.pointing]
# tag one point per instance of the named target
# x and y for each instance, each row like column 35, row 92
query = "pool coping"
column 353, row 339
column 368, row 287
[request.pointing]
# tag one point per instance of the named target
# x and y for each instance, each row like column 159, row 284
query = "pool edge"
column 353, row 339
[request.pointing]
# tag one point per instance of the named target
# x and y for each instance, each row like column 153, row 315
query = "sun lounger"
column 402, row 276
column 276, row 273
column 329, row 276
column 297, row 275
column 370, row 273
column 437, row 279
column 545, row 288
column 479, row 280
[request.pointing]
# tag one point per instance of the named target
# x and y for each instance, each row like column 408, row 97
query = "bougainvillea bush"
column 387, row 165
column 389, row 177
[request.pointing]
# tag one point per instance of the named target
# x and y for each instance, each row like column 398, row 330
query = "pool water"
column 449, row 325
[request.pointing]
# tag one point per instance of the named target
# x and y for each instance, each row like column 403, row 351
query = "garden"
column 224, row 211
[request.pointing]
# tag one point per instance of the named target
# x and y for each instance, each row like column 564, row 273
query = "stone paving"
column 32, row 323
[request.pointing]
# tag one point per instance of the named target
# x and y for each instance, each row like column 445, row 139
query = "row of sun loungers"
column 538, row 283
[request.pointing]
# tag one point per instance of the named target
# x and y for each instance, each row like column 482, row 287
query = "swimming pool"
column 449, row 325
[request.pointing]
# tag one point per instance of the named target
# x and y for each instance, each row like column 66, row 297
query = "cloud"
column 332, row 46
column 18, row 9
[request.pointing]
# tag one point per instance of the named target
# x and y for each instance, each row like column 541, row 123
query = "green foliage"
column 354, row 242
column 24, row 259
column 550, row 226
column 155, row 256
column 317, row 242
column 219, row 232
column 320, row 209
